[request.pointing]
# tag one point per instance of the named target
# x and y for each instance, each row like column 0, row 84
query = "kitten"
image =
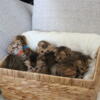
column 63, row 67
column 82, row 61
column 45, row 62
column 70, row 63
column 20, row 48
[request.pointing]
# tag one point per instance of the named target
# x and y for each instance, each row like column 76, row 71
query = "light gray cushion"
column 67, row 15
column 15, row 18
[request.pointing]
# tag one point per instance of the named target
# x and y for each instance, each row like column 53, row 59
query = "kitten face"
column 15, row 47
column 61, row 56
column 62, row 53
column 81, row 61
column 82, row 66
column 22, row 39
column 44, row 47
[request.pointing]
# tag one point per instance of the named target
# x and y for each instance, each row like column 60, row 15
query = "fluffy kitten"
column 82, row 61
column 20, row 48
column 45, row 62
column 70, row 63
column 62, row 67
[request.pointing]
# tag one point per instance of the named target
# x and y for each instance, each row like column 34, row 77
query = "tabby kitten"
column 70, row 63
column 20, row 48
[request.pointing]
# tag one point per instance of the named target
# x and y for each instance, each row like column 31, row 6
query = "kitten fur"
column 41, row 66
column 70, row 63
column 44, row 62
column 14, row 62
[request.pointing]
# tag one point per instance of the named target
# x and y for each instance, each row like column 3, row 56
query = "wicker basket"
column 17, row 85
